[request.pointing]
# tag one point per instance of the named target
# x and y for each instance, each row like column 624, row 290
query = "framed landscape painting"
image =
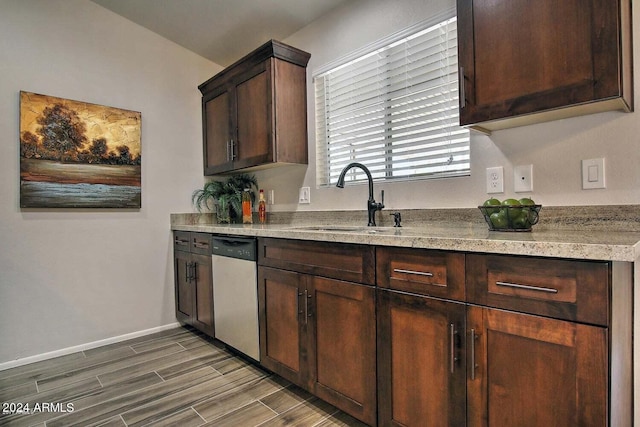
column 78, row 155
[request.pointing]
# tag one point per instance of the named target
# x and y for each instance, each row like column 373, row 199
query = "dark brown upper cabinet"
column 254, row 113
column 529, row 61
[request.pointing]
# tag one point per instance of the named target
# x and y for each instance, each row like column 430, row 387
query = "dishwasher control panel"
column 234, row 247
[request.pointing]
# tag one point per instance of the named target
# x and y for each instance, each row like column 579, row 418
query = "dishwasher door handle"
column 233, row 243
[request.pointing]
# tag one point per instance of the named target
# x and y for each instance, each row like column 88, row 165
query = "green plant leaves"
column 227, row 194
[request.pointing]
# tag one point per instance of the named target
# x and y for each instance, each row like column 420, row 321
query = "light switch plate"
column 593, row 174
column 305, row 195
column 523, row 178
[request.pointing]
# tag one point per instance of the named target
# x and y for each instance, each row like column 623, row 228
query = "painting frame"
column 75, row 154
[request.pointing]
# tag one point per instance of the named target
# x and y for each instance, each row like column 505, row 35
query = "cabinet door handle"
column 527, row 287
column 298, row 303
column 195, row 272
column 473, row 354
column 463, row 100
column 452, row 346
column 228, row 153
column 307, row 297
column 187, row 271
column 233, row 150
column 191, row 272
column 417, row 273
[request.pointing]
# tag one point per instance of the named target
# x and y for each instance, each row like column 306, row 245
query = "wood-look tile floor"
column 172, row 378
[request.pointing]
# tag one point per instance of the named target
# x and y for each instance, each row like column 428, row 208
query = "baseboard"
column 82, row 347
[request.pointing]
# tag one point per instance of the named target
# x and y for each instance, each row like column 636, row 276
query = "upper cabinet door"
column 217, row 153
column 254, row 137
column 519, row 57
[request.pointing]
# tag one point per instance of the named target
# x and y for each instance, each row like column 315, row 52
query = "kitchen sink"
column 346, row 229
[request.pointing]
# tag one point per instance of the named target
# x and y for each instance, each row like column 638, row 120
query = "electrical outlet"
column 305, row 195
column 495, row 180
column 523, row 178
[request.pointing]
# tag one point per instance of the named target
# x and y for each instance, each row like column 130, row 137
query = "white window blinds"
column 395, row 110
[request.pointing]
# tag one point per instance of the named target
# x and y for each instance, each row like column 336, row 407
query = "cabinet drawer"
column 197, row 243
column 421, row 271
column 201, row 243
column 353, row 263
column 181, row 240
column 563, row 289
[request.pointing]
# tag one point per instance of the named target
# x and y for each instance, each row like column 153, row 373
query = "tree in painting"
column 96, row 153
column 62, row 131
column 29, row 145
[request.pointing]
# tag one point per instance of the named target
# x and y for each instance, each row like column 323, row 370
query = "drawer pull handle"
column 181, row 242
column 527, row 287
column 200, row 245
column 417, row 273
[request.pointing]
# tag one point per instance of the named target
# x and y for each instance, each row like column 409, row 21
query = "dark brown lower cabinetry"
column 436, row 338
column 528, row 370
column 318, row 321
column 421, row 365
column 319, row 333
column 193, row 281
column 497, row 368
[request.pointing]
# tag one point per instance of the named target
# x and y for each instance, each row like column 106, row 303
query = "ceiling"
column 221, row 30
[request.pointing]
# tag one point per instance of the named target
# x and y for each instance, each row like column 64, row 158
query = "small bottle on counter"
column 262, row 208
column 247, row 217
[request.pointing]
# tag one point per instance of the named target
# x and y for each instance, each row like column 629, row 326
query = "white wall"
column 71, row 277
column 555, row 149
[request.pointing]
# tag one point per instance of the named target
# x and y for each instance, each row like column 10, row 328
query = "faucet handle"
column 397, row 217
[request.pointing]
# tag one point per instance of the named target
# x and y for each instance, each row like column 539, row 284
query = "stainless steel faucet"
column 372, row 206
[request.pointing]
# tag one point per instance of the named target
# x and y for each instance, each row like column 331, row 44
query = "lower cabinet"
column 524, row 342
column 445, row 338
column 319, row 332
column 528, row 370
column 421, row 362
column 193, row 280
column 496, row 368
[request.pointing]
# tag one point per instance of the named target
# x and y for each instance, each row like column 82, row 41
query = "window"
column 394, row 109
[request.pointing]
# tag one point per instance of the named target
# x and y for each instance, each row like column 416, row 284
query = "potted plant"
column 226, row 196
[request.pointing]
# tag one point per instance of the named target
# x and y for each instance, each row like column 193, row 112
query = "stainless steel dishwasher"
column 235, row 293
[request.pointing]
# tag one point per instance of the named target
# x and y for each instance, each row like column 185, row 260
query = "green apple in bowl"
column 489, row 203
column 499, row 219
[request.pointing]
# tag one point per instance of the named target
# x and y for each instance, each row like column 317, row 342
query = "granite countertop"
column 590, row 244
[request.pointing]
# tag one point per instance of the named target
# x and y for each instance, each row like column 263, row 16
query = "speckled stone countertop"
column 463, row 230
